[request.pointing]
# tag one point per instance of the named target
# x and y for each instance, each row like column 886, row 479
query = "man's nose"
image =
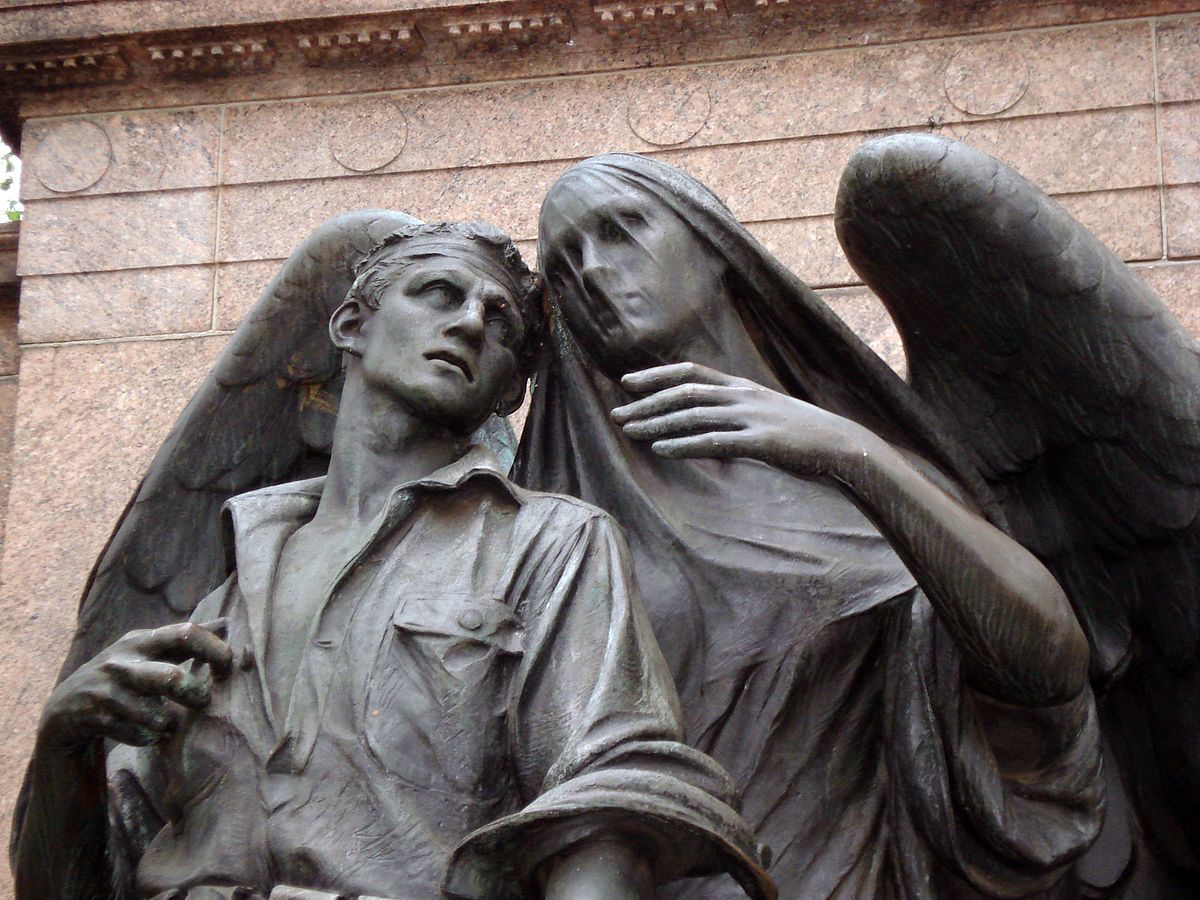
column 468, row 322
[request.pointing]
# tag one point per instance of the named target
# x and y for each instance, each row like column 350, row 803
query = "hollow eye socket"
column 570, row 252
column 610, row 231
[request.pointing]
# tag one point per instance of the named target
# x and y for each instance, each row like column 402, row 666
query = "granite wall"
column 153, row 218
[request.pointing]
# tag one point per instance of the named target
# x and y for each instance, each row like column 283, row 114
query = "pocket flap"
column 467, row 616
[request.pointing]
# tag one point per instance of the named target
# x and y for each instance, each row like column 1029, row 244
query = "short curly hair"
column 374, row 275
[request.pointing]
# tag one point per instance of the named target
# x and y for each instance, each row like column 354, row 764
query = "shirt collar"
column 297, row 500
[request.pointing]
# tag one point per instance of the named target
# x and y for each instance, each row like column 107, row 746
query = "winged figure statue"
column 1047, row 389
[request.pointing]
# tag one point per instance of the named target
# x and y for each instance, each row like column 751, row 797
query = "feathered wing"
column 1078, row 394
column 263, row 415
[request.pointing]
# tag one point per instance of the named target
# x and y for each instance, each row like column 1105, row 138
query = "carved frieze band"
column 542, row 28
column 375, row 40
column 102, row 65
column 365, row 45
column 684, row 12
column 237, row 57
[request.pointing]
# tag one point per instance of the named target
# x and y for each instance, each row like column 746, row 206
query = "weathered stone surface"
column 95, row 234
column 985, row 78
column 9, row 236
column 808, row 247
column 131, row 151
column 1178, row 286
column 68, row 156
column 238, row 286
column 1180, row 140
column 9, row 351
column 1183, row 220
column 507, row 196
column 1129, row 222
column 116, row 304
column 862, row 90
column 89, row 420
column 761, row 32
column 1179, row 59
column 776, row 180
column 8, row 414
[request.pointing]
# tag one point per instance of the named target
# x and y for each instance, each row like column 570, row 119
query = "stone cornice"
column 208, row 51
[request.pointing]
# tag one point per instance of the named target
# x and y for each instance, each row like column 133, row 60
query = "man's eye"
column 500, row 325
column 438, row 291
column 632, row 217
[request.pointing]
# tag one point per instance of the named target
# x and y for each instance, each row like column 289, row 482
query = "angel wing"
column 263, row 415
column 1078, row 395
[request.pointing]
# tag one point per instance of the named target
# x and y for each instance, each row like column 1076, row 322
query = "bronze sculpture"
column 900, row 691
column 417, row 679
column 897, row 687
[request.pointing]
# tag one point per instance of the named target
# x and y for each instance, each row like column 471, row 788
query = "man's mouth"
column 457, row 361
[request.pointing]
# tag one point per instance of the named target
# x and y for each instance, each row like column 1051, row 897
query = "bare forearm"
column 1014, row 625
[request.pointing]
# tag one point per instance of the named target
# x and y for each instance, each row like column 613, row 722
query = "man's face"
column 443, row 341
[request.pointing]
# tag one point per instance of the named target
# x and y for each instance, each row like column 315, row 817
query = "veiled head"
column 635, row 281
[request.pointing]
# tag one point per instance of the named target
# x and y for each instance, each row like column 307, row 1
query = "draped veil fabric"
column 808, row 661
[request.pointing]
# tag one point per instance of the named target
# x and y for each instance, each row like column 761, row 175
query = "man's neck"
column 378, row 444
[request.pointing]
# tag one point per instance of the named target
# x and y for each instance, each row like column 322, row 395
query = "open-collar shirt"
column 480, row 691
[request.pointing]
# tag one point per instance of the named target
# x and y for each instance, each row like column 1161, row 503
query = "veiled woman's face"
column 636, row 284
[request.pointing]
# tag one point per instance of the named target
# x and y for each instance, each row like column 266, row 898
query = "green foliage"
column 12, row 208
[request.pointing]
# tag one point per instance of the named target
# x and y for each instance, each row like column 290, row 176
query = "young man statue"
column 420, row 681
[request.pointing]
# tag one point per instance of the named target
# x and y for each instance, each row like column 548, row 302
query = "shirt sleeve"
column 1004, row 797
column 596, row 737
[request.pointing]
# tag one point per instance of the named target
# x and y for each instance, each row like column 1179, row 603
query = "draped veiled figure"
column 896, row 685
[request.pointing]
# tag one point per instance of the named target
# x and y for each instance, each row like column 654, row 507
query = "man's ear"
column 346, row 324
column 512, row 397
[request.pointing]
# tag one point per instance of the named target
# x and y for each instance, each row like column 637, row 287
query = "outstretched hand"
column 693, row 411
column 135, row 691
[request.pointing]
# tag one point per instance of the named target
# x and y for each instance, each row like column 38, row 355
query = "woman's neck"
column 722, row 342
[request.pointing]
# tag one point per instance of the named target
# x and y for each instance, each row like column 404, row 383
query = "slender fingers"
column 160, row 679
column 660, row 377
column 188, row 640
column 673, row 399
column 137, row 720
column 700, row 420
column 710, row 445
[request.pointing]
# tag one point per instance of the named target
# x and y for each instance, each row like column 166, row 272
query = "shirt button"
column 470, row 619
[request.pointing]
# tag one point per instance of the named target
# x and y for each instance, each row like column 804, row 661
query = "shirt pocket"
column 439, row 695
column 460, row 630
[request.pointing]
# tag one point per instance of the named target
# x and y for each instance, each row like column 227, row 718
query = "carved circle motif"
column 986, row 78
column 669, row 109
column 365, row 135
column 71, row 156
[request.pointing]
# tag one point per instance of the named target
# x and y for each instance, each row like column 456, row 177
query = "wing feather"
column 1079, row 395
